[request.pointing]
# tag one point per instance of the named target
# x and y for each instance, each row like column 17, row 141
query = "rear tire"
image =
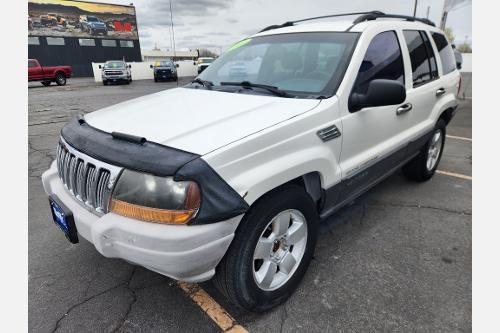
column 423, row 166
column 105, row 82
column 242, row 275
column 60, row 79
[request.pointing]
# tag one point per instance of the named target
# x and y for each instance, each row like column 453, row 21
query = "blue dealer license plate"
column 63, row 218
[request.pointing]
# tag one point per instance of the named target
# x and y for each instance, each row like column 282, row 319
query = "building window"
column 55, row 41
column 126, row 43
column 108, row 42
column 86, row 42
column 33, row 41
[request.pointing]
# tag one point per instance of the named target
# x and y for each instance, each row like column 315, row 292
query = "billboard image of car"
column 66, row 18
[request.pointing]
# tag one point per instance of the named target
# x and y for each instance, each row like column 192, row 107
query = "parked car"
column 51, row 20
column 203, row 63
column 115, row 71
column 165, row 70
column 92, row 25
column 230, row 179
column 47, row 75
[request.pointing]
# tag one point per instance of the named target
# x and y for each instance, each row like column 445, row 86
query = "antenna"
column 173, row 36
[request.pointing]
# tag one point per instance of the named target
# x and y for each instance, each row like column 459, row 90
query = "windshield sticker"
column 239, row 44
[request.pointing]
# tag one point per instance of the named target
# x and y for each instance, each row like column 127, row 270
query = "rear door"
column 449, row 75
column 425, row 87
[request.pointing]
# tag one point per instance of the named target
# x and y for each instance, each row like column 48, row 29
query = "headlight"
column 155, row 199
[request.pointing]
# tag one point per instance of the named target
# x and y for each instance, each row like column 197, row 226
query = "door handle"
column 403, row 109
column 440, row 92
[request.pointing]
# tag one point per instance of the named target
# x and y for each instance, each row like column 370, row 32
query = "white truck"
column 232, row 178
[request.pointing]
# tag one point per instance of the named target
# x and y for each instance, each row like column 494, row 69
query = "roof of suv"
column 345, row 24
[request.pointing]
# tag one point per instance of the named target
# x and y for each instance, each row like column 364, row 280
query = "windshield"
column 304, row 64
column 163, row 64
column 205, row 60
column 114, row 64
column 92, row 19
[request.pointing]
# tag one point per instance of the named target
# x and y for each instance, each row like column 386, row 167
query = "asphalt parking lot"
column 397, row 259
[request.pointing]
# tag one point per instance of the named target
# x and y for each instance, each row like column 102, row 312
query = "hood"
column 197, row 120
column 97, row 24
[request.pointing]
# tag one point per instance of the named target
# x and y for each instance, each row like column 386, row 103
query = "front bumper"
column 187, row 253
column 114, row 77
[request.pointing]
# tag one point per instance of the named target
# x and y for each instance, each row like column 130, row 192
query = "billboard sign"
column 66, row 18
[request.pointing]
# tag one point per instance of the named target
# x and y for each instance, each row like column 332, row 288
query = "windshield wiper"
column 247, row 84
column 205, row 83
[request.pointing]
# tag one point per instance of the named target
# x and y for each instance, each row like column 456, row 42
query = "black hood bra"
column 219, row 201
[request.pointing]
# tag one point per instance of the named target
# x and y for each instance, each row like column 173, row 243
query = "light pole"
column 415, row 9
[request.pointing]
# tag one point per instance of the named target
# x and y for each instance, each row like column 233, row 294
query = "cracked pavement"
column 396, row 259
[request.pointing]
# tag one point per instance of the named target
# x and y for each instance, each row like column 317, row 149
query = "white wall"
column 142, row 70
column 466, row 62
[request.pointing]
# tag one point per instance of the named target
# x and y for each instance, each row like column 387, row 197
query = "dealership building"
column 77, row 33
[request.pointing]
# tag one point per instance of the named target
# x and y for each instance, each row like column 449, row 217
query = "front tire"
column 423, row 166
column 271, row 250
column 61, row 79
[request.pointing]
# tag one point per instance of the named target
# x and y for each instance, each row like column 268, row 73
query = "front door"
column 373, row 137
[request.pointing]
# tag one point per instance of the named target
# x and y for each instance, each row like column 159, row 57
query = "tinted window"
column 445, row 52
column 430, row 52
column 31, row 63
column 419, row 60
column 55, row 41
column 108, row 42
column 383, row 60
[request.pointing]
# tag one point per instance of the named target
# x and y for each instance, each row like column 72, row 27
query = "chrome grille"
column 113, row 72
column 90, row 181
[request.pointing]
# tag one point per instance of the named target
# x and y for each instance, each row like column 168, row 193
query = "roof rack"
column 364, row 16
column 376, row 15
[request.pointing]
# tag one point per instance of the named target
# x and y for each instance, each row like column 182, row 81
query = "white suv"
column 231, row 177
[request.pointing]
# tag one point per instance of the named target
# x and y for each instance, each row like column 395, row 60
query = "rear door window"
column 430, row 52
column 383, row 60
column 445, row 53
column 420, row 59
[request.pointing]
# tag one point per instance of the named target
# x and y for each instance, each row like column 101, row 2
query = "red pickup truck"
column 47, row 75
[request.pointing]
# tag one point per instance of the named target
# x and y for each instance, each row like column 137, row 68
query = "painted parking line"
column 212, row 308
column 453, row 174
column 459, row 138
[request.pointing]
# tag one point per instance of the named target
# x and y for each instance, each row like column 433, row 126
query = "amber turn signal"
column 151, row 214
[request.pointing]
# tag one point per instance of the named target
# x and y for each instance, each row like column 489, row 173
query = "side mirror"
column 380, row 93
column 129, row 66
column 177, row 65
column 100, row 67
column 459, row 65
column 194, row 63
column 150, row 66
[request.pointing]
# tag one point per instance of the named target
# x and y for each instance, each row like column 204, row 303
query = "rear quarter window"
column 445, row 52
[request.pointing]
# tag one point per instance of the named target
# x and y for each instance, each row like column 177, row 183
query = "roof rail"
column 291, row 23
column 364, row 16
column 376, row 15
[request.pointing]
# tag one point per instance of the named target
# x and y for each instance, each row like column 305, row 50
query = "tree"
column 449, row 34
column 464, row 48
column 207, row 53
